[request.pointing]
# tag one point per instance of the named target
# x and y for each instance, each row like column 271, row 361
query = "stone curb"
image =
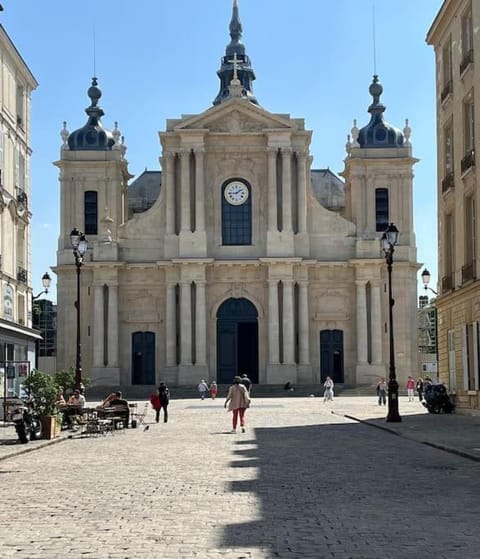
column 445, row 448
column 27, row 448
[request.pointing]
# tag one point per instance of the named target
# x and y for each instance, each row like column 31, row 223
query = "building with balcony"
column 17, row 338
column 455, row 36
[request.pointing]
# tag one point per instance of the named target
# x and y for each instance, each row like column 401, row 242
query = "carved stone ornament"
column 237, row 291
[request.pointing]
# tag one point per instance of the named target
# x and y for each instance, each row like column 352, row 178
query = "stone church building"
column 239, row 263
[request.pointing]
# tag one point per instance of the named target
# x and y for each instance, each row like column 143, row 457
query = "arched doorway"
column 143, row 358
column 237, row 340
column 331, row 355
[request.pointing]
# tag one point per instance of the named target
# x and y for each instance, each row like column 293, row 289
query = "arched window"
column 91, row 212
column 236, row 213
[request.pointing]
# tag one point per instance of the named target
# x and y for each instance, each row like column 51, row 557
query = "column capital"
column 287, row 150
column 168, row 155
column 271, row 150
column 301, row 154
column 184, row 152
column 199, row 150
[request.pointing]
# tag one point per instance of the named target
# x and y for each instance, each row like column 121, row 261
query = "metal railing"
column 468, row 161
column 448, row 182
column 468, row 272
column 466, row 61
column 448, row 283
column 447, row 89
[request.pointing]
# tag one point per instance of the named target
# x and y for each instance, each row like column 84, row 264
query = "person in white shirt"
column 77, row 399
column 328, row 394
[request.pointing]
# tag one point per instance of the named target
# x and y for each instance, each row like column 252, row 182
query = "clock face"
column 236, row 193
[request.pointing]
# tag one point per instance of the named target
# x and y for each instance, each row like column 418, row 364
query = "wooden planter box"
column 51, row 427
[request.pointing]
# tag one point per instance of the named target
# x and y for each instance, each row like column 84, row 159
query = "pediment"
column 235, row 117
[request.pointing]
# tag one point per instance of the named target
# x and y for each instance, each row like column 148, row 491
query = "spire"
column 235, row 64
column 378, row 133
column 93, row 136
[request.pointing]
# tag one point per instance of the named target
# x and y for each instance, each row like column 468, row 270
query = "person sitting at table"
column 59, row 399
column 75, row 402
column 77, row 399
column 109, row 398
column 116, row 400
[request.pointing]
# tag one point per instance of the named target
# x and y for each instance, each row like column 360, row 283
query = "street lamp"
column 46, row 281
column 388, row 242
column 80, row 247
column 426, row 280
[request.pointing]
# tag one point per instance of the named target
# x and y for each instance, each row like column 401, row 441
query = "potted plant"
column 43, row 389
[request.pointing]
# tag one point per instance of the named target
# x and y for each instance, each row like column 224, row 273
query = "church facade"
column 237, row 266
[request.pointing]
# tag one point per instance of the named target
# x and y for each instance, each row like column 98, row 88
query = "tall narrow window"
column 452, row 372
column 91, row 212
column 449, row 253
column 467, row 40
column 20, row 102
column 468, row 270
column 448, row 160
column 236, row 213
column 447, row 69
column 381, row 209
column 468, row 124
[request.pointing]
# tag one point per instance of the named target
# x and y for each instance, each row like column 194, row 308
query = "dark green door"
column 143, row 358
column 237, row 340
column 331, row 355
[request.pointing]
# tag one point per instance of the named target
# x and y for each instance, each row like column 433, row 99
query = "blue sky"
column 157, row 59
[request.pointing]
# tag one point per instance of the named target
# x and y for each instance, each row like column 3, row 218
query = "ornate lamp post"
column 426, row 280
column 80, row 247
column 388, row 242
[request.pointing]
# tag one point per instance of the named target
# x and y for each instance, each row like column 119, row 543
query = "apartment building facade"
column 17, row 337
column 455, row 36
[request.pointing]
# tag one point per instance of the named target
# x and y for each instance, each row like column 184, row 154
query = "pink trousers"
column 236, row 413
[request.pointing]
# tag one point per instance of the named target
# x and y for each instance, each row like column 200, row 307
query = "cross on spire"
column 235, row 66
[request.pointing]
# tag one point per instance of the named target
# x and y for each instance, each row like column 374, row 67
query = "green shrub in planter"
column 43, row 389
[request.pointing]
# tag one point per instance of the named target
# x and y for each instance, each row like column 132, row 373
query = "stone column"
column 302, row 192
column 272, row 189
column 186, row 322
column 185, row 198
column 361, row 323
column 169, row 185
column 113, row 325
column 200, row 189
column 376, row 321
column 98, row 330
column 201, row 324
column 288, row 322
column 171, row 326
column 273, row 321
column 286, row 190
column 304, row 324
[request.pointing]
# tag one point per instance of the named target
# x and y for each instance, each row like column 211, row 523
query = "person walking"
column 213, row 390
column 419, row 387
column 411, row 389
column 202, row 389
column 247, row 382
column 238, row 400
column 156, row 404
column 382, row 392
column 164, row 395
column 328, row 394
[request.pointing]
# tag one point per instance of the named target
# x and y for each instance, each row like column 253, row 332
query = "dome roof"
column 378, row 133
column 93, row 136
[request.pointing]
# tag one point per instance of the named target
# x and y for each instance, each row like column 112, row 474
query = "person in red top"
column 160, row 400
column 411, row 389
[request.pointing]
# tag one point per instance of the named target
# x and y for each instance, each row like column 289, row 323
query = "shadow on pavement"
column 351, row 491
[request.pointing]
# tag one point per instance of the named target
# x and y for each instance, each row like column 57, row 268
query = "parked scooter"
column 27, row 423
column 437, row 399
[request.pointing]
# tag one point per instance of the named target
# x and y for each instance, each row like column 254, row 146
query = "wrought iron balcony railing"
column 22, row 275
column 448, row 283
column 468, row 161
column 466, row 61
column 446, row 91
column 448, row 182
column 468, row 272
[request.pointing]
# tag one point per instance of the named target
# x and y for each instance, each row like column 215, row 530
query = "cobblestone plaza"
column 304, row 481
